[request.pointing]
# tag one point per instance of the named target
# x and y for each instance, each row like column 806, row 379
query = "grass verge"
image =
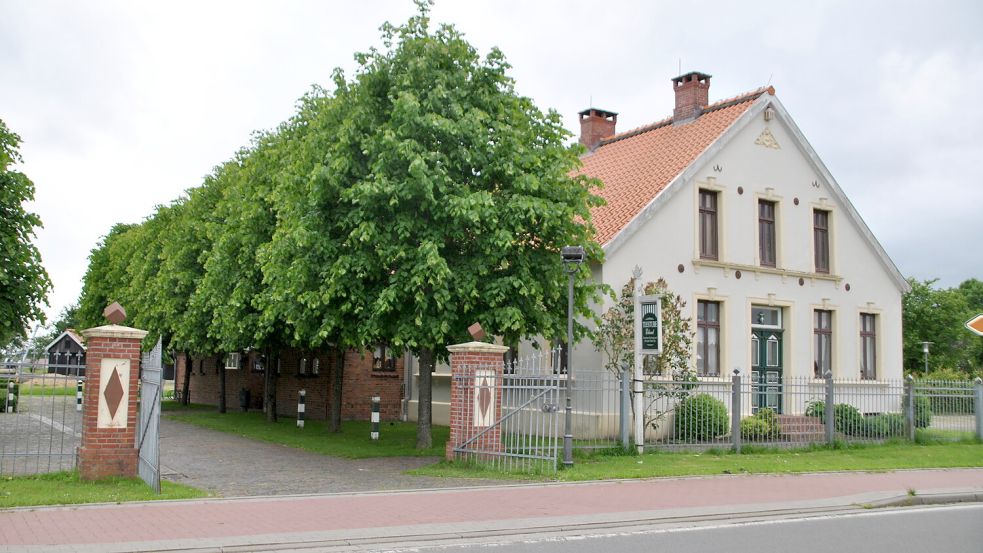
column 67, row 488
column 396, row 439
column 891, row 456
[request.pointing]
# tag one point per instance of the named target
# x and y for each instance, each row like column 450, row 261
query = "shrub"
column 762, row 426
column 700, row 417
column 753, row 428
column 923, row 412
column 816, row 408
column 848, row 420
column 885, row 426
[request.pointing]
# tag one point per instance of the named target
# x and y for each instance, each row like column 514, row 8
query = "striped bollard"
column 300, row 408
column 375, row 417
column 78, row 395
column 10, row 396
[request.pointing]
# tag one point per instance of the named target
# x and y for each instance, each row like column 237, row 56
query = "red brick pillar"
column 476, row 396
column 109, row 407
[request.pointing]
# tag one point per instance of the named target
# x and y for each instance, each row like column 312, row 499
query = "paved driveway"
column 232, row 466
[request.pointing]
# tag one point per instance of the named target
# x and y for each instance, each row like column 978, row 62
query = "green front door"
column 766, row 369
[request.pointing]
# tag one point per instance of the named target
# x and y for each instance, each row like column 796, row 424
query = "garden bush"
column 887, row 425
column 816, row 408
column 923, row 412
column 848, row 420
column 763, row 425
column 700, row 417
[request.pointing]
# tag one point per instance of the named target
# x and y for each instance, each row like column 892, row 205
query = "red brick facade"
column 464, row 360
column 361, row 382
column 108, row 452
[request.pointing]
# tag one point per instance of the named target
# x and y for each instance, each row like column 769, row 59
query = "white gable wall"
column 666, row 237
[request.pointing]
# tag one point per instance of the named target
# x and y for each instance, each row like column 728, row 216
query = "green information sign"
column 649, row 321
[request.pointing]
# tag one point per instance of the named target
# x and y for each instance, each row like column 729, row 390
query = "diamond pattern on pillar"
column 113, row 393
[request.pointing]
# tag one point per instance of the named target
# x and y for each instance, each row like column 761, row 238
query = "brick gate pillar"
column 109, row 407
column 476, row 395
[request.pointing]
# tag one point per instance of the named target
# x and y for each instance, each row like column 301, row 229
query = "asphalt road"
column 949, row 529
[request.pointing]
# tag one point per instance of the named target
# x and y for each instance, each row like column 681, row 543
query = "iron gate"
column 148, row 431
column 525, row 435
column 40, row 414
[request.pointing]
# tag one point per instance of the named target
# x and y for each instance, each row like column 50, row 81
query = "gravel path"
column 232, row 466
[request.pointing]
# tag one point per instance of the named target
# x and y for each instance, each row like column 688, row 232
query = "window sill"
column 385, row 374
column 758, row 269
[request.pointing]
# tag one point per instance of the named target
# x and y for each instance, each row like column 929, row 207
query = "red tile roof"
column 637, row 165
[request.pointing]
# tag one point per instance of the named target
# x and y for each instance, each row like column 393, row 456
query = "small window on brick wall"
column 382, row 359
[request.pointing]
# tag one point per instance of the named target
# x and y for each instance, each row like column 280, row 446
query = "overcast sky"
column 123, row 105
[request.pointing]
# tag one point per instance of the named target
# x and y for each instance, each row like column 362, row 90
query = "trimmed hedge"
column 700, row 417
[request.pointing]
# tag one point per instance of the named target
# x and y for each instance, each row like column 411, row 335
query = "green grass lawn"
column 818, row 459
column 65, row 488
column 396, row 439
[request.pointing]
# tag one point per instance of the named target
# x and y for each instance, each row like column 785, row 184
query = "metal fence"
column 40, row 416
column 797, row 411
column 524, row 436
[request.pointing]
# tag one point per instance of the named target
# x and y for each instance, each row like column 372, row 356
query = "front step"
column 799, row 428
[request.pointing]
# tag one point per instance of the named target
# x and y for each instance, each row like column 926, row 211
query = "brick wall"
column 359, row 385
column 109, row 451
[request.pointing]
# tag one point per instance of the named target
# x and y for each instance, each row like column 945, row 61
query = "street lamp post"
column 573, row 256
column 925, row 349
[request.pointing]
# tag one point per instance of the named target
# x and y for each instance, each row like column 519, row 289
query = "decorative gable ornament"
column 767, row 140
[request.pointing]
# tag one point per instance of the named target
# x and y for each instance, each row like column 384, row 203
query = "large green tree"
column 24, row 284
column 455, row 195
column 938, row 315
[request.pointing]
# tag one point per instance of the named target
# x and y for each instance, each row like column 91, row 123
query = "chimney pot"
column 692, row 95
column 595, row 126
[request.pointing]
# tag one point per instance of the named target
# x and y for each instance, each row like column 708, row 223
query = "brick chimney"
column 692, row 95
column 595, row 126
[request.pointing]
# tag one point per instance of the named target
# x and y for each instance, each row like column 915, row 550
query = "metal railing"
column 40, row 416
column 797, row 411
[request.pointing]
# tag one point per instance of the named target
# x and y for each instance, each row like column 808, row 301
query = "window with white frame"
column 868, row 346
column 707, row 338
column 820, row 239
column 232, row 360
column 822, row 331
column 767, row 248
column 709, row 245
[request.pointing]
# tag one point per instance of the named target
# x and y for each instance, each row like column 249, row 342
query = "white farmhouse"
column 730, row 204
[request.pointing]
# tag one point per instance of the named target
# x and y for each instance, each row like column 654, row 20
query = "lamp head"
column 572, row 254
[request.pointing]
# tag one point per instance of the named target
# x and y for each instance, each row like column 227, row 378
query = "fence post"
column 78, row 395
column 625, row 414
column 829, row 414
column 735, row 410
column 374, row 434
column 301, row 399
column 909, row 409
column 979, row 408
column 10, row 396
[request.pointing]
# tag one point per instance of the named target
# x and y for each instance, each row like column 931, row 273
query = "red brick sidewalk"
column 282, row 520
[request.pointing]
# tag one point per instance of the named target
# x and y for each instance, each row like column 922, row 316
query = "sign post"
column 648, row 341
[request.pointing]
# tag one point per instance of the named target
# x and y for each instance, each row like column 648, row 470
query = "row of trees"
column 24, row 284
column 414, row 199
column 939, row 315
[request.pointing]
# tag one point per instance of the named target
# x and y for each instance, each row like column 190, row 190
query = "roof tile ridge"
column 718, row 105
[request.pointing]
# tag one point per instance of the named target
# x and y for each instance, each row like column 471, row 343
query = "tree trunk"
column 424, row 439
column 269, row 387
column 188, row 365
column 338, row 377
column 221, row 383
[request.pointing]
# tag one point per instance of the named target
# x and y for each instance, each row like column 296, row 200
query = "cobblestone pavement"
column 232, row 466
column 41, row 436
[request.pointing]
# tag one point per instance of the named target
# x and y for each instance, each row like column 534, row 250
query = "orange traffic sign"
column 976, row 324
